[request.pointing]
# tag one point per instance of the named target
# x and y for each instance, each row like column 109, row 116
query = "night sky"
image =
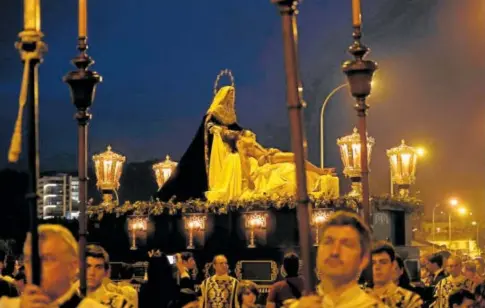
column 159, row 60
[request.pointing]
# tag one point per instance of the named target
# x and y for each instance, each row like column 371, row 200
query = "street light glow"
column 474, row 223
column 453, row 202
column 462, row 211
column 420, row 151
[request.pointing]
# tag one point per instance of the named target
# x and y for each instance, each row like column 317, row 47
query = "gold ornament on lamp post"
column 109, row 166
column 163, row 170
column 350, row 153
column 403, row 160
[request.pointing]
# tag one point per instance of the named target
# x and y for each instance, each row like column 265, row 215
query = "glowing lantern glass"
column 403, row 160
column 109, row 166
column 350, row 153
column 163, row 170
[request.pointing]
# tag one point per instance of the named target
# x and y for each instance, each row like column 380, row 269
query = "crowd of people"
column 343, row 255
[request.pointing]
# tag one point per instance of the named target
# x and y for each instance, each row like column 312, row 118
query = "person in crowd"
column 479, row 295
column 435, row 268
column 426, row 276
column 461, row 299
column 400, row 276
column 480, row 264
column 161, row 287
column 126, row 275
column 290, row 287
column 185, row 263
column 8, row 269
column 59, row 254
column 455, row 281
column 7, row 289
column 383, row 269
column 343, row 253
column 20, row 281
column 470, row 273
column 97, row 270
column 247, row 294
column 220, row 289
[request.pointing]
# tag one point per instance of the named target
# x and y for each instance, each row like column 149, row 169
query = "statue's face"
column 230, row 97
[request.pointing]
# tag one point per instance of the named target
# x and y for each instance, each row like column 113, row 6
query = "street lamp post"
column 82, row 83
column 433, row 224
column 477, row 225
column 359, row 74
column 322, row 118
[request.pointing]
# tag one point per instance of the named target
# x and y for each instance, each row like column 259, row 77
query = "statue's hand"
column 216, row 129
column 273, row 151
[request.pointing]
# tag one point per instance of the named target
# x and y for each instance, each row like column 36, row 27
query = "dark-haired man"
column 185, row 263
column 97, row 261
column 383, row 263
column 290, row 287
column 435, row 267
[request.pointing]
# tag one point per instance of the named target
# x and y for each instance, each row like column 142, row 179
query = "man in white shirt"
column 343, row 253
column 98, row 268
column 59, row 254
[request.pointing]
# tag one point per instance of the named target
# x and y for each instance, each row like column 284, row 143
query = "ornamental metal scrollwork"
column 381, row 218
column 273, row 264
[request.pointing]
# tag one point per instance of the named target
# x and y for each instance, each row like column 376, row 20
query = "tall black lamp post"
column 82, row 83
column 359, row 75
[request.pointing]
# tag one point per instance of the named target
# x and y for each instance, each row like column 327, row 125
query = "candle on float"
column 83, row 18
column 32, row 15
column 356, row 14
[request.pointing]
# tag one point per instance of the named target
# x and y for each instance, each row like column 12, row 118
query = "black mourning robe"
column 189, row 179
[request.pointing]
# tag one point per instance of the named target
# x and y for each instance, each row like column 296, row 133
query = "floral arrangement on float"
column 155, row 208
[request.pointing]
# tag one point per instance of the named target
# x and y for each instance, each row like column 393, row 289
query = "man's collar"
column 437, row 272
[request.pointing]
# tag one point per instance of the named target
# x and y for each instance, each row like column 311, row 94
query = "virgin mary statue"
column 191, row 179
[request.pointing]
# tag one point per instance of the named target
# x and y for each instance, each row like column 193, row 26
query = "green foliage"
column 144, row 208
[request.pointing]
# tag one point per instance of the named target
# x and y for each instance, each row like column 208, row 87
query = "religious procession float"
column 230, row 195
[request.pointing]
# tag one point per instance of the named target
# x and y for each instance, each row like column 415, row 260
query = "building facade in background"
column 58, row 196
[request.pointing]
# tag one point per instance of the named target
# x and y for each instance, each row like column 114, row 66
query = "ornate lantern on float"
column 350, row 154
column 163, row 170
column 403, row 160
column 109, row 166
